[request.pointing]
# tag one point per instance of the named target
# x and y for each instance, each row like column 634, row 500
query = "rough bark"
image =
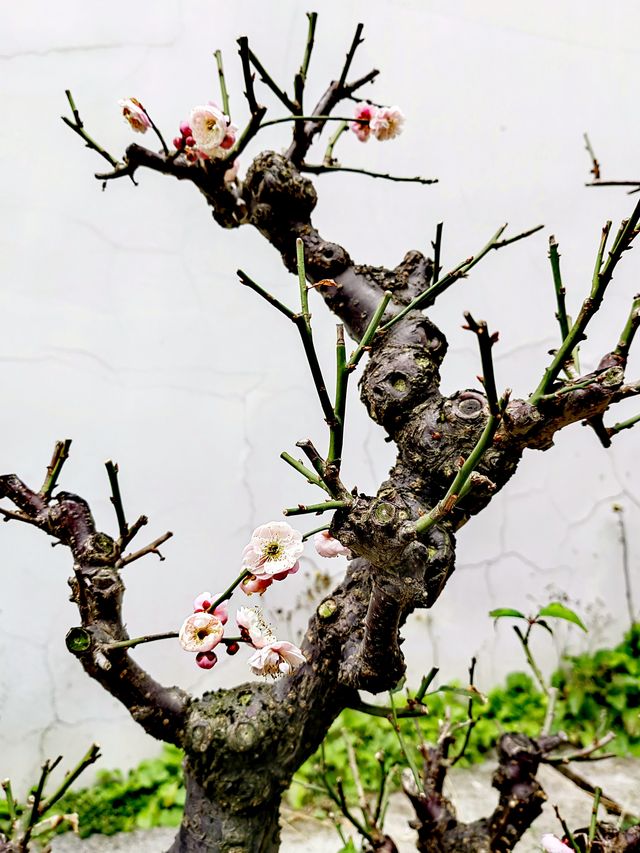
column 243, row 745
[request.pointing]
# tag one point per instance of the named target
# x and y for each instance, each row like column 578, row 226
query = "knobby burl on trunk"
column 243, row 745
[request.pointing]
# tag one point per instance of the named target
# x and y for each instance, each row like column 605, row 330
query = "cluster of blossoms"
column 272, row 554
column 208, row 135
column 382, row 122
column 272, row 657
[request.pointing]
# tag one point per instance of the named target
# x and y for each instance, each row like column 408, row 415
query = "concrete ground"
column 470, row 789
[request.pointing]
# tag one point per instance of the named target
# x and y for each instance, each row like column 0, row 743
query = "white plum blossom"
column 205, row 600
column 328, row 546
column 200, row 632
column 253, row 627
column 275, row 659
column 273, row 551
column 387, row 123
column 552, row 844
column 135, row 114
column 211, row 130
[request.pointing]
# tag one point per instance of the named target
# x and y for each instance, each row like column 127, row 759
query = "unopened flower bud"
column 178, row 143
column 206, row 660
column 189, row 141
column 233, row 648
column 185, row 130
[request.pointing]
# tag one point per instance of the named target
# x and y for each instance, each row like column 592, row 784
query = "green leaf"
column 349, row 847
column 506, row 611
column 559, row 611
column 469, row 692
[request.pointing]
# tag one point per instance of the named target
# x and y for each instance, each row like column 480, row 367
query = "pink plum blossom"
column 273, row 550
column 135, row 114
column 387, row 123
column 252, row 584
column 365, row 112
column 204, row 602
column 206, row 660
column 552, row 844
column 327, row 546
column 253, row 627
column 200, row 632
column 276, row 658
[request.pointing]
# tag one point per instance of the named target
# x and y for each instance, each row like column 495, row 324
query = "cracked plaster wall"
column 124, row 328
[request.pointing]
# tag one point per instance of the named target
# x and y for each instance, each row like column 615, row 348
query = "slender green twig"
column 524, row 641
column 224, row 94
column 301, row 509
column 295, row 117
column 300, row 80
column 602, row 275
column 229, row 590
column 623, row 425
column 90, row 757
column 370, row 331
column 425, row 683
column 403, row 746
column 437, row 247
column 328, row 159
column 323, row 168
column 485, row 342
column 116, row 499
column 344, row 369
column 137, row 641
column 428, row 296
column 561, row 314
column 312, row 17
column 302, row 283
column 311, row 478
column 461, row 482
column 315, row 530
column 78, row 127
column 10, row 802
column 327, row 471
column 339, row 408
column 409, row 711
column 60, row 455
column 630, row 329
column 594, row 817
column 249, row 282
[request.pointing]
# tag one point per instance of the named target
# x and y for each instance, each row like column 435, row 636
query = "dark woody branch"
column 97, row 589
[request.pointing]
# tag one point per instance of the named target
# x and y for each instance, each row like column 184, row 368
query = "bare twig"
column 60, row 455
column 152, row 548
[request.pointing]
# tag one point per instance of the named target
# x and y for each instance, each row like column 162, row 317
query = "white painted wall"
column 123, row 325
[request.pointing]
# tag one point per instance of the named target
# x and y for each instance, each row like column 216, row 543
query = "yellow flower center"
column 272, row 550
